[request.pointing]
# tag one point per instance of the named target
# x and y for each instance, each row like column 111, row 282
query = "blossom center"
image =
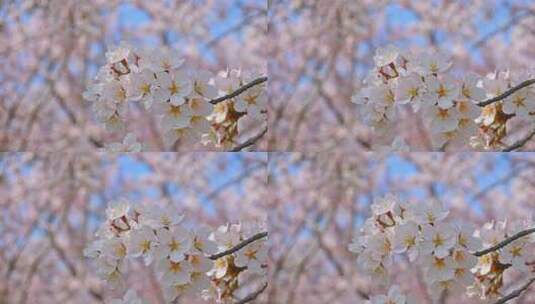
column 175, row 267
column 174, row 88
column 174, row 111
column 250, row 99
column 438, row 240
column 174, row 245
column 516, row 251
column 413, row 92
column 145, row 88
column 442, row 91
column 250, row 254
column 442, row 114
column 519, row 101
column 439, row 263
column 459, row 272
column 145, row 245
column 410, row 241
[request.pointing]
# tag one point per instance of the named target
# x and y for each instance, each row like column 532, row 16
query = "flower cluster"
column 452, row 106
column 183, row 98
column 490, row 269
column 185, row 260
column 236, row 115
column 444, row 250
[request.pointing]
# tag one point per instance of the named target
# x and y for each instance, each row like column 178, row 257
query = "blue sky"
column 132, row 17
column 400, row 169
column 399, row 17
column 133, row 170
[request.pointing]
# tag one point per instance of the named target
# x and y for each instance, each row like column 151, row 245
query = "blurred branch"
column 234, row 28
column 246, row 173
column 505, row 242
column 499, row 182
column 240, row 245
column 70, row 114
column 515, row 293
column 513, row 21
column 253, row 295
column 300, row 269
column 31, row 274
column 507, row 93
column 251, row 141
column 330, row 103
column 239, row 90
column 70, row 266
column 521, row 142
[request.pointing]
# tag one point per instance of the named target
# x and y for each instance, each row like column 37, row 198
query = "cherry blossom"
column 185, row 100
column 185, row 261
column 252, row 257
column 446, row 251
column 143, row 242
column 455, row 111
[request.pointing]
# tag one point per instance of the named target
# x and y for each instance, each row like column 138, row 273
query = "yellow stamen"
column 174, row 267
column 413, row 92
column 174, row 245
column 145, row 245
column 145, row 88
column 437, row 240
column 174, row 88
column 250, row 254
column 174, row 111
column 442, row 92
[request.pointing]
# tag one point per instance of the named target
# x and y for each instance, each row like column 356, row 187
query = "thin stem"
column 520, row 142
column 251, row 141
column 505, row 242
column 239, row 90
column 242, row 244
column 515, row 293
column 253, row 295
column 507, row 93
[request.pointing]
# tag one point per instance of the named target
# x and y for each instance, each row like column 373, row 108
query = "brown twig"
column 507, row 93
column 239, row 90
column 516, row 293
column 242, row 244
column 251, row 141
column 505, row 242
column 520, row 142
column 253, row 295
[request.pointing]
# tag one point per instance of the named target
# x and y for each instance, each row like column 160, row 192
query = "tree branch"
column 507, row 93
column 505, row 242
column 240, row 90
column 251, row 141
column 253, row 295
column 242, row 244
column 520, row 142
column 515, row 293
